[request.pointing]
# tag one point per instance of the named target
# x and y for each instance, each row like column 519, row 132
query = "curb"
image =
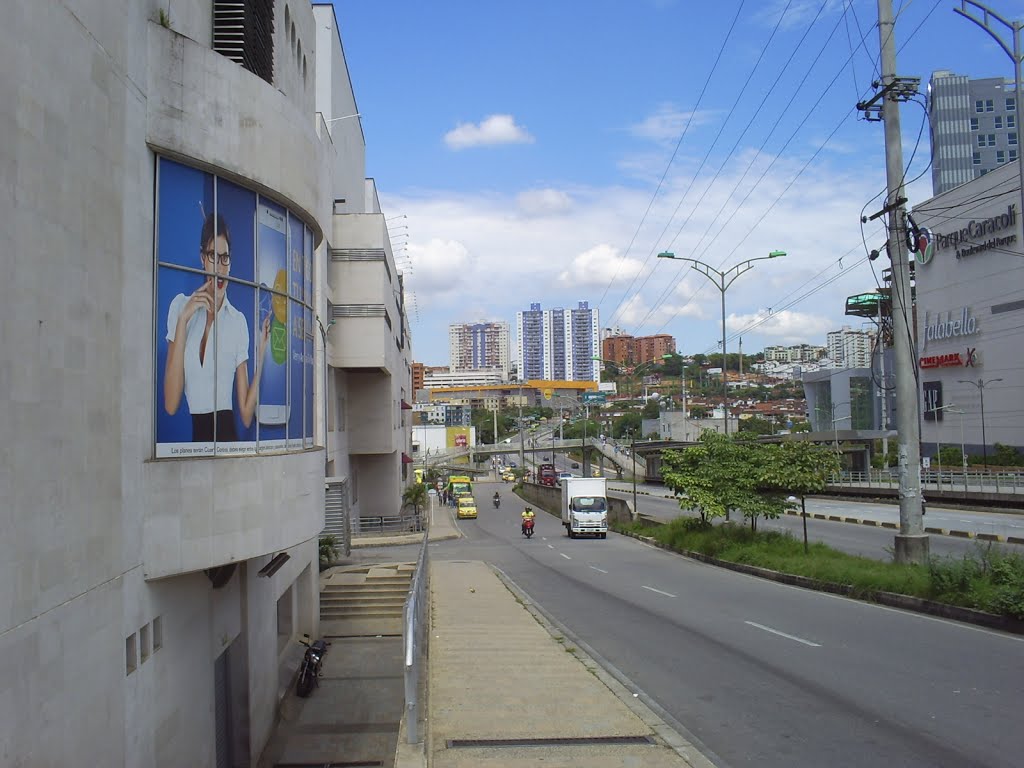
column 999, row 537
column 891, row 599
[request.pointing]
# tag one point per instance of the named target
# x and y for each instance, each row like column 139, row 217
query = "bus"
column 460, row 485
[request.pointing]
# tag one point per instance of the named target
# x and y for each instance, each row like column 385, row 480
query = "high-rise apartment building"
column 418, row 373
column 478, row 346
column 850, row 348
column 558, row 344
column 973, row 126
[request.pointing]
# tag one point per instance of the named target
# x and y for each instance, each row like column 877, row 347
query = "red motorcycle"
column 528, row 527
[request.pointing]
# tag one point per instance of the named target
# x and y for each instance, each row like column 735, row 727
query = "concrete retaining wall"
column 550, row 500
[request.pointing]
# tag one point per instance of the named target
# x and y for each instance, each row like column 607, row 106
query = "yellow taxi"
column 466, row 507
column 508, row 475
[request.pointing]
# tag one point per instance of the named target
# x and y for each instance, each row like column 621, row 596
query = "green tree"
column 713, row 477
column 950, row 456
column 755, row 426
column 415, row 496
column 1006, row 456
column 794, row 467
column 652, row 409
column 329, row 549
column 800, row 426
column 698, row 412
column 625, row 424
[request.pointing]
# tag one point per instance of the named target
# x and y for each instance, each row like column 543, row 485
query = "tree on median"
column 714, row 477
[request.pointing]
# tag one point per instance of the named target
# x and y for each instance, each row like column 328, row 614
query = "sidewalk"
column 507, row 688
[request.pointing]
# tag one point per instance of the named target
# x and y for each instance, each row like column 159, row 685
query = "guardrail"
column 968, row 481
column 414, row 636
column 375, row 525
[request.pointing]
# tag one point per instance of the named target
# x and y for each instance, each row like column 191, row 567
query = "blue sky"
column 547, row 150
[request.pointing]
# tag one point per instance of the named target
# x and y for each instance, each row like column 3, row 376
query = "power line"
column 679, row 143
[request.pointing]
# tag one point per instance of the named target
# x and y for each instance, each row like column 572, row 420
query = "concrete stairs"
column 364, row 600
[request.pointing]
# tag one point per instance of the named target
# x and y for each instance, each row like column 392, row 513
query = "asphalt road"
column 860, row 539
column 761, row 673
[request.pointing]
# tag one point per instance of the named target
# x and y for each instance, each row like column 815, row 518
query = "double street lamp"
column 981, row 384
column 722, row 281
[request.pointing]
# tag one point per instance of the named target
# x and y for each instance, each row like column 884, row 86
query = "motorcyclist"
column 527, row 515
column 496, row 498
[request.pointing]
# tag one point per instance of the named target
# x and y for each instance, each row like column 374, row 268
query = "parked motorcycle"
column 528, row 527
column 312, row 661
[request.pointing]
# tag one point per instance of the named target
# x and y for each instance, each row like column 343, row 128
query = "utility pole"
column 912, row 544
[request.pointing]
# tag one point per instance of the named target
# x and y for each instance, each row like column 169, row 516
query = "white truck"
column 585, row 506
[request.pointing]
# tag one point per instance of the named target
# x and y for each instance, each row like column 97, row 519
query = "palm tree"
column 416, row 496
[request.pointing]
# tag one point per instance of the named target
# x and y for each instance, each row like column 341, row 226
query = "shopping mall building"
column 970, row 315
column 193, row 255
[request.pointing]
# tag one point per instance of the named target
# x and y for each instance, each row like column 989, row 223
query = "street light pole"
column 980, row 385
column 522, row 448
column 722, row 280
column 1015, row 53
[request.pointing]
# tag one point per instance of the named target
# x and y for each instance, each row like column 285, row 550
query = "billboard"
column 233, row 357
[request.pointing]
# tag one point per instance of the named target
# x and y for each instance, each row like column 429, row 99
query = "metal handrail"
column 952, row 479
column 414, row 636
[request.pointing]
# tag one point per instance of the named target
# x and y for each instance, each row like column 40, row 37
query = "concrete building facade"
column 558, row 344
column 850, row 347
column 973, row 125
column 970, row 309
column 479, row 346
column 164, row 468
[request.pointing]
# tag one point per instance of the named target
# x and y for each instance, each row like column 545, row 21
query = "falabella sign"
column 952, row 327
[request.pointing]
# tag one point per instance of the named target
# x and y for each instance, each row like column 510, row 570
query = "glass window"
column 981, row 139
column 989, row 105
column 1011, row 139
column 976, row 158
column 1011, row 121
column 1011, row 104
column 974, row 123
column 225, row 244
column 998, row 121
column 1000, row 156
column 991, row 139
column 979, row 106
column 1013, row 155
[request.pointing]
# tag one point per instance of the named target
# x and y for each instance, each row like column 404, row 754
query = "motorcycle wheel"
column 529, row 533
column 305, row 685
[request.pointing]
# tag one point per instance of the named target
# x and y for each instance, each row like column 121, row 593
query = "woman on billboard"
column 199, row 367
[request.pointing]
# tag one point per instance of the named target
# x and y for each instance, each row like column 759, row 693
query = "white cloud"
column 543, row 202
column 495, row 129
column 668, row 122
column 785, row 327
column 479, row 251
column 599, row 266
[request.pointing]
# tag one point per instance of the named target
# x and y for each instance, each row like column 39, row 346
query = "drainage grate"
column 574, row 741
column 349, row 764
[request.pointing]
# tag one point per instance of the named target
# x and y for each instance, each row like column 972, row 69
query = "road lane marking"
column 599, row 570
column 666, row 594
column 551, row 546
column 783, row 634
column 565, row 555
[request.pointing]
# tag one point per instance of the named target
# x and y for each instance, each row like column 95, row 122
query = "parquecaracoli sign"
column 972, row 236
